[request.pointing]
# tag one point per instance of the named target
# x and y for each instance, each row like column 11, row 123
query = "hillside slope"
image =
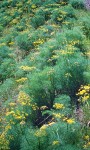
column 45, row 74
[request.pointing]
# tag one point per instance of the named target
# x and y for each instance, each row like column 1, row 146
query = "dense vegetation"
column 45, row 74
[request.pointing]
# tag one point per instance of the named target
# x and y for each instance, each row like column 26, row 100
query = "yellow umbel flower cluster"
column 11, row 43
column 44, row 127
column 68, row 75
column 55, row 142
column 16, row 114
column 14, row 21
column 51, row 123
column 38, row 42
column 2, row 44
column 22, row 122
column 4, row 139
column 27, row 68
column 84, row 93
column 34, row 106
column 21, row 80
column 70, row 121
column 51, row 71
column 87, row 142
column 87, row 145
column 23, row 98
column 33, row 6
column 43, row 108
column 86, row 137
column 57, row 115
column 4, row 143
column 12, row 104
column 9, row 113
column 58, row 106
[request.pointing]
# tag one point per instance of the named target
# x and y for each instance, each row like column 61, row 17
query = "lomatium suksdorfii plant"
column 44, row 75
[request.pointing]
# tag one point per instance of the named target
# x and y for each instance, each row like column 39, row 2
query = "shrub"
column 75, row 34
column 77, row 4
column 86, row 25
column 70, row 77
column 28, row 138
column 66, row 36
column 66, row 101
column 70, row 11
column 42, row 87
column 6, row 87
column 4, row 19
column 7, row 72
column 37, row 21
column 24, row 42
column 10, row 38
column 4, row 51
column 60, row 14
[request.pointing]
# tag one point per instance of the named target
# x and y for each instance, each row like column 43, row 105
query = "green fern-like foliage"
column 44, row 75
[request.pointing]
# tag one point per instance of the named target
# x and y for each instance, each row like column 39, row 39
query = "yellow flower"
column 44, row 127
column 4, row 142
column 63, row 12
column 70, row 121
column 82, row 92
column 86, row 137
column 21, row 80
column 11, row 43
column 22, row 122
column 18, row 117
column 59, row 19
column 34, row 107
column 66, row 22
column 88, row 143
column 10, row 113
column 33, row 6
column 51, row 123
column 2, row 44
column 85, row 98
column 27, row 68
column 85, row 146
column 63, row 52
column 23, row 98
column 65, row 118
column 12, row 104
column 14, row 21
column 43, row 107
column 54, row 56
column 55, row 142
column 57, row 115
column 38, row 42
column 86, row 87
column 68, row 75
column 58, row 106
column 51, row 71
